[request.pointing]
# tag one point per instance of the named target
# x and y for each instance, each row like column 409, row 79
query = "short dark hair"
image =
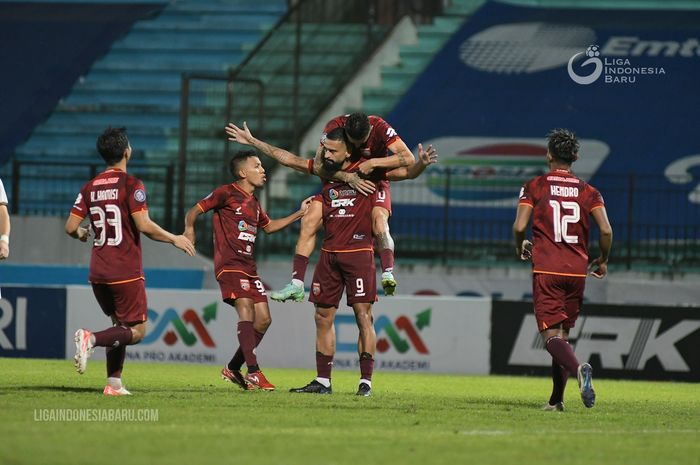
column 357, row 126
column 563, row 145
column 338, row 134
column 111, row 144
column 238, row 159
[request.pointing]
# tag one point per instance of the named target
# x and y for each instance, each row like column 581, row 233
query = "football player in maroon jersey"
column 4, row 225
column 560, row 204
column 236, row 221
column 115, row 203
column 382, row 149
column 347, row 257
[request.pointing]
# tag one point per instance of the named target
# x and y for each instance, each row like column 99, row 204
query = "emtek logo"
column 172, row 327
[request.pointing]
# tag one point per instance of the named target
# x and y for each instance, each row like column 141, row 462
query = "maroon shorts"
column 235, row 285
column 126, row 301
column 382, row 196
column 353, row 271
column 557, row 299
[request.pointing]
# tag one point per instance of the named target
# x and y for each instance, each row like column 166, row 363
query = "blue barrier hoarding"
column 624, row 81
column 33, row 322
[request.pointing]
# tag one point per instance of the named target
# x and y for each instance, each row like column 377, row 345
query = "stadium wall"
column 415, row 334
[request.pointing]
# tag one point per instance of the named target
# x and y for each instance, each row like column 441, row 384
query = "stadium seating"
column 414, row 58
column 137, row 83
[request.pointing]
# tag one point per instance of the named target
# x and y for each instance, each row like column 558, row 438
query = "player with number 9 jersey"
column 109, row 200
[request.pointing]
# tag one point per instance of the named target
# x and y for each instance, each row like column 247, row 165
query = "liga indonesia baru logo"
column 173, row 327
column 614, row 70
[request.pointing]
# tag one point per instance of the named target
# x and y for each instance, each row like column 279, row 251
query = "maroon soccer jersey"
column 561, row 204
column 347, row 218
column 381, row 136
column 237, row 218
column 110, row 199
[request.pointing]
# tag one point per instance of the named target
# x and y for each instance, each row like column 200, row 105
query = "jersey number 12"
column 561, row 223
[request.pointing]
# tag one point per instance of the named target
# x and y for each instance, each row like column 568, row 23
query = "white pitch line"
column 477, row 432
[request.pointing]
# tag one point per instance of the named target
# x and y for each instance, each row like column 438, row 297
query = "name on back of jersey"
column 563, row 191
column 102, row 195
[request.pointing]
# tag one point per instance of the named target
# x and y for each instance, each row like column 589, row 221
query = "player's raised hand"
column 598, row 268
column 427, row 157
column 363, row 186
column 184, row 244
column 236, row 134
column 305, row 204
column 525, row 250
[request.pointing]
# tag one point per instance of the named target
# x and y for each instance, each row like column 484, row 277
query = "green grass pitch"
column 411, row 419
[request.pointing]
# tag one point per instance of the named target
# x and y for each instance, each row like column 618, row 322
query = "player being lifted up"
column 236, row 221
column 378, row 143
column 347, row 258
column 559, row 204
column 116, row 205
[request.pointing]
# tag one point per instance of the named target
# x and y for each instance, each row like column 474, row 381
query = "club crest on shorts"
column 245, row 284
column 316, row 288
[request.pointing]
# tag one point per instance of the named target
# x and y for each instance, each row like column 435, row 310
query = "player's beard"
column 331, row 166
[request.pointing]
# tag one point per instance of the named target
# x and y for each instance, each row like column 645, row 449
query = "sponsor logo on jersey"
column 246, row 236
column 342, row 203
column 140, row 195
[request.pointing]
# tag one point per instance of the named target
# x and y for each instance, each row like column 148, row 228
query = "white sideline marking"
column 479, row 432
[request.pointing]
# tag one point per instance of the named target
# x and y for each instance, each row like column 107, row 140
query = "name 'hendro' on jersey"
column 563, row 191
column 107, row 194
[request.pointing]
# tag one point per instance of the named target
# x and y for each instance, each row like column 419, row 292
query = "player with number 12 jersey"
column 562, row 204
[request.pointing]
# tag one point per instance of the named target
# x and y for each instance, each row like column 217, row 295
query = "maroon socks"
column 113, row 337
column 563, row 354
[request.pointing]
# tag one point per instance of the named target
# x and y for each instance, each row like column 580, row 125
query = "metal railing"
column 444, row 219
column 441, row 217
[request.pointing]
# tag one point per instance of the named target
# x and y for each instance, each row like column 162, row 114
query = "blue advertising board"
column 625, row 81
column 33, row 322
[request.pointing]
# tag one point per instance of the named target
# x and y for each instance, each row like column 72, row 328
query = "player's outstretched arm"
column 74, row 230
column 425, row 159
column 281, row 223
column 190, row 218
column 154, row 232
column 599, row 266
column 401, row 158
column 522, row 219
column 284, row 157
